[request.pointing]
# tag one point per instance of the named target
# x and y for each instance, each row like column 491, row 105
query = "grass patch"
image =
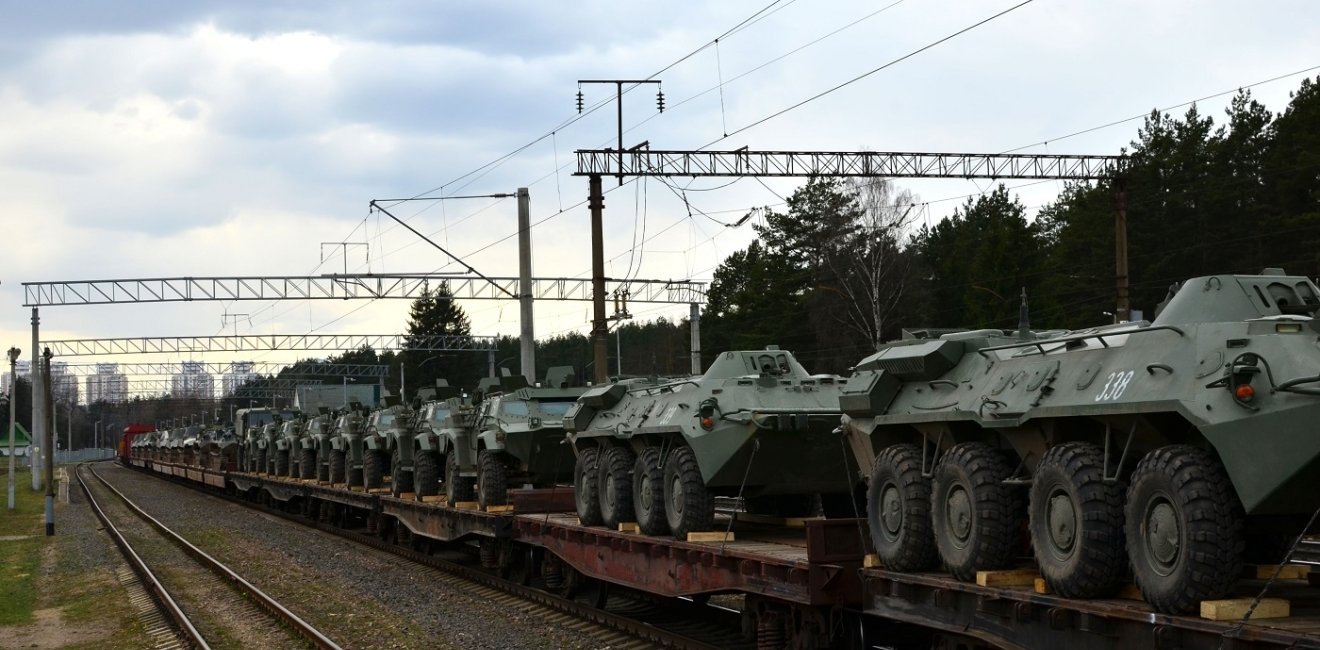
column 20, row 559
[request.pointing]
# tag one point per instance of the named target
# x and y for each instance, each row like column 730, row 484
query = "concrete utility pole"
column 50, row 456
column 13, row 405
column 526, row 337
column 38, row 442
column 694, row 323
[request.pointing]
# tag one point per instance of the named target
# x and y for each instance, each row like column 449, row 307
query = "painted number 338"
column 1115, row 385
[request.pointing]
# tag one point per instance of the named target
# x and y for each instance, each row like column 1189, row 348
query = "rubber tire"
column 648, row 492
column 373, row 469
column 426, row 473
column 1095, row 565
column 492, row 480
column 307, row 464
column 261, row 461
column 912, row 546
column 995, row 510
column 689, row 506
column 1210, row 518
column 282, row 466
column 400, row 481
column 586, row 486
column 457, row 488
column 336, row 466
column 615, row 489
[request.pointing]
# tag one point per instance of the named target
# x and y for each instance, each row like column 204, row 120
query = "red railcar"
column 126, row 441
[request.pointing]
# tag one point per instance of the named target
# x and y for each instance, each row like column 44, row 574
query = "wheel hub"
column 958, row 508
column 1162, row 535
column 676, row 496
column 1062, row 521
column 891, row 509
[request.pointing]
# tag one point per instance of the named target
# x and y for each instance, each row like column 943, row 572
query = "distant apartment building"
column 107, row 385
column 63, row 384
column 22, row 369
column 240, row 372
column 193, row 381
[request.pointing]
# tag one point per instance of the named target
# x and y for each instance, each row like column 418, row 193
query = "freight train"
column 1158, row 453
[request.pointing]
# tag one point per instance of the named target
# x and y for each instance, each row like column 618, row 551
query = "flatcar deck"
column 817, row 565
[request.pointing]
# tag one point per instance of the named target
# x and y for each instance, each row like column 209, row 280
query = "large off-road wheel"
column 689, row 506
column 373, row 468
column 282, row 462
column 336, row 466
column 1077, row 522
column 586, row 486
column 426, row 473
column 457, row 487
column 307, row 463
column 1184, row 528
column 261, row 461
column 616, row 502
column 322, row 469
column 898, row 510
column 976, row 517
column 492, row 483
column 648, row 493
column 400, row 480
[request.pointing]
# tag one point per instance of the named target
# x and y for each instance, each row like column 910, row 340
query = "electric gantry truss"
column 301, row 368
column 185, row 345
column 871, row 164
column 598, row 163
column 262, row 388
column 342, row 287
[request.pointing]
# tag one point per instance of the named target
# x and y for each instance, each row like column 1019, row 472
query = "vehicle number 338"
column 1115, row 384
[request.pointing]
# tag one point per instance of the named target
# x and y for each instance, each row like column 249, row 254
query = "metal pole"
column 38, row 441
column 618, row 103
column 694, row 323
column 50, row 457
column 618, row 349
column 68, row 432
column 596, row 202
column 1123, row 312
column 490, row 363
column 13, row 406
column 403, row 375
column 526, row 338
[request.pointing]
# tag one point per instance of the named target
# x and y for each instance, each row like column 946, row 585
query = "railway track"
column 618, row 618
column 207, row 603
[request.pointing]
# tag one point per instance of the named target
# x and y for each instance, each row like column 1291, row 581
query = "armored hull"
column 1144, row 444
column 756, row 425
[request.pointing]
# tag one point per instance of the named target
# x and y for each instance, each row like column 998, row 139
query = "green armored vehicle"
column 412, row 443
column 248, row 426
column 517, row 437
column 287, row 445
column 384, row 424
column 756, row 425
column 1151, row 445
column 443, row 442
column 346, row 447
column 313, row 454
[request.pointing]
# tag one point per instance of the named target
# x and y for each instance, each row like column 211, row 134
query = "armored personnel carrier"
column 412, row 443
column 288, row 445
column 346, row 447
column 314, row 456
column 518, row 436
column 1150, row 445
column 248, row 425
column 756, row 424
column 384, row 424
column 444, row 447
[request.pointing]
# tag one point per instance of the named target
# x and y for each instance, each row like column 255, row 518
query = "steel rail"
column 618, row 622
column 157, row 590
column 301, row 627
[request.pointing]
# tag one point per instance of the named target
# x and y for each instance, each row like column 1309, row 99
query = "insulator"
column 579, row 101
column 660, row 100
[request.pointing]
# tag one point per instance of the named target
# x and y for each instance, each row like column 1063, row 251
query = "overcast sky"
column 160, row 139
